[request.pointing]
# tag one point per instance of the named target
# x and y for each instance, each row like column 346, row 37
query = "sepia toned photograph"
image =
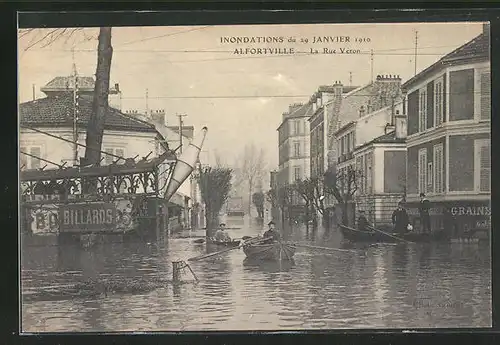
column 255, row 177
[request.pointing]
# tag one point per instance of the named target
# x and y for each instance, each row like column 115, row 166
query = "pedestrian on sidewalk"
column 400, row 219
column 425, row 219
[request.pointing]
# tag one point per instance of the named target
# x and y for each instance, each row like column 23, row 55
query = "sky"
column 240, row 98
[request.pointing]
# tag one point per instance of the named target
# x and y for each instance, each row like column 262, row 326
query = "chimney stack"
column 401, row 126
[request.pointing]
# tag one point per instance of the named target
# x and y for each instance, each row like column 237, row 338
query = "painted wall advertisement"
column 83, row 217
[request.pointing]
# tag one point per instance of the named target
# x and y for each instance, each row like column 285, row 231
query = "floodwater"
column 375, row 286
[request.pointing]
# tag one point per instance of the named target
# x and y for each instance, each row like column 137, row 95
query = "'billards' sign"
column 95, row 217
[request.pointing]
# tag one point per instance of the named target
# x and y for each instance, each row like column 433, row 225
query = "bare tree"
column 343, row 185
column 307, row 190
column 215, row 185
column 252, row 169
column 95, row 129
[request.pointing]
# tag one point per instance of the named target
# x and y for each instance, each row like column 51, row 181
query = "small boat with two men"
column 401, row 231
column 269, row 247
column 222, row 238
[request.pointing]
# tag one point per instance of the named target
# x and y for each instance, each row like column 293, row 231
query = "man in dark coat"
column 400, row 219
column 272, row 233
column 363, row 222
column 425, row 219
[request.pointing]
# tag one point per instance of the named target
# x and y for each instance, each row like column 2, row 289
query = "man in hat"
column 400, row 219
column 425, row 219
column 272, row 233
column 363, row 223
column 221, row 234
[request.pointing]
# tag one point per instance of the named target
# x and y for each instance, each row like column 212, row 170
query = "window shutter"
column 485, row 166
column 108, row 159
column 430, row 180
column 438, row 168
column 422, row 171
column 485, row 96
column 35, row 162
column 23, row 161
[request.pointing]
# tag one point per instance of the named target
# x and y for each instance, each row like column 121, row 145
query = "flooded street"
column 378, row 286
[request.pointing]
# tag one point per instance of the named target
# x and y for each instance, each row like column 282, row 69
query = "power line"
column 166, row 35
column 270, row 96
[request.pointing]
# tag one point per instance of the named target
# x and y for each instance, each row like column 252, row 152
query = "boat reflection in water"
column 268, row 266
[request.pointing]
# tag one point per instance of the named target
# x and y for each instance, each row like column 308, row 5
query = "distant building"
column 186, row 202
column 293, row 136
column 449, row 139
column 84, row 86
column 293, row 147
column 346, row 117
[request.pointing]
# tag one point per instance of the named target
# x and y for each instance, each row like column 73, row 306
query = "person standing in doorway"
column 425, row 219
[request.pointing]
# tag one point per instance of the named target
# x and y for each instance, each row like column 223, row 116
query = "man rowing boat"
column 272, row 234
column 221, row 235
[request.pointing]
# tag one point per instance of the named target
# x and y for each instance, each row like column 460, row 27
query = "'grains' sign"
column 81, row 217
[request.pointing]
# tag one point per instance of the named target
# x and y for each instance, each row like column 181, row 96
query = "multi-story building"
column 346, row 117
column 448, row 144
column 293, row 136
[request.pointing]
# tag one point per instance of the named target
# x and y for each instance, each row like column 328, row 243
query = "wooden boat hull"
column 269, row 252
column 354, row 235
column 224, row 243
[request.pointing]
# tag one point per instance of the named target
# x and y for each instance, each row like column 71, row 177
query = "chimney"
column 400, row 124
column 117, row 87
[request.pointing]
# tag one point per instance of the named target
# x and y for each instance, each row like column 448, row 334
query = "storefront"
column 458, row 218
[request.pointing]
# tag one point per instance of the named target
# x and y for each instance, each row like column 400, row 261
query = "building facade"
column 350, row 117
column 293, row 148
column 448, row 144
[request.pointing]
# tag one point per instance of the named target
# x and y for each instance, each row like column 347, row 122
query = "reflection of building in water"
column 448, row 144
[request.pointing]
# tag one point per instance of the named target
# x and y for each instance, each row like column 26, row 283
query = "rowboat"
column 232, row 243
column 275, row 251
column 354, row 235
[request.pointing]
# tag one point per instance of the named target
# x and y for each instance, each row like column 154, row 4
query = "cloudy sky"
column 240, row 98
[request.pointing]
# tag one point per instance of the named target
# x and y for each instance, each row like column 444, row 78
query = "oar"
column 224, row 251
column 322, row 248
column 387, row 234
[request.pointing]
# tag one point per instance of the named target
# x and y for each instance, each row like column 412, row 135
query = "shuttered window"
column 430, row 178
column 422, row 111
column 438, row 168
column 422, row 170
column 485, row 96
column 296, row 149
column 482, row 168
column 23, row 159
column 35, row 162
column 369, row 179
column 438, row 102
column 296, row 172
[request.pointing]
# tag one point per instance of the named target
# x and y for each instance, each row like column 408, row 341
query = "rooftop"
column 57, row 111
column 477, row 48
column 68, row 83
column 388, row 138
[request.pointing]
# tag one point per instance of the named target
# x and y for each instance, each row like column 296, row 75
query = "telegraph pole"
column 371, row 63
column 75, row 110
column 416, row 49
column 180, row 116
column 34, row 94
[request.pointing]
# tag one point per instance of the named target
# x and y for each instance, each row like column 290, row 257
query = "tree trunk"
column 95, row 129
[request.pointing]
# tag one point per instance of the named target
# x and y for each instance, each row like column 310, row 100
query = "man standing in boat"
column 425, row 219
column 272, row 233
column 221, row 235
column 400, row 219
column 363, row 222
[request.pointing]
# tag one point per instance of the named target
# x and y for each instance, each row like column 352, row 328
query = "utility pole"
column 147, row 102
column 416, row 49
column 180, row 116
column 371, row 63
column 34, row 95
column 75, row 110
